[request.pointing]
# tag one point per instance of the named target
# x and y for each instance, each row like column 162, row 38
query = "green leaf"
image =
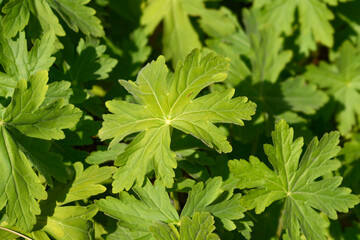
column 179, row 36
column 46, row 17
column 14, row 57
column 18, row 63
column 78, row 16
column 74, row 13
column 341, row 80
column 91, row 62
column 314, row 20
column 162, row 231
column 17, row 16
column 139, row 215
column 71, row 222
column 199, row 227
column 38, row 152
column 216, row 23
column 101, row 156
column 264, row 48
column 87, row 182
column 302, row 97
column 260, row 77
column 126, row 234
column 40, row 55
column 151, row 212
column 25, row 114
column 212, row 198
column 19, row 185
column 296, row 181
column 58, row 90
column 7, row 85
column 166, row 103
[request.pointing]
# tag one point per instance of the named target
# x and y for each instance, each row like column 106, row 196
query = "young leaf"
column 296, row 182
column 341, row 81
column 166, row 103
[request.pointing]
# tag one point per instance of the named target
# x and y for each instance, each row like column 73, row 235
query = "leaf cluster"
column 238, row 119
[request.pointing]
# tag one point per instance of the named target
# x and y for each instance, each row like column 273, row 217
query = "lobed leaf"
column 23, row 117
column 296, row 181
column 170, row 102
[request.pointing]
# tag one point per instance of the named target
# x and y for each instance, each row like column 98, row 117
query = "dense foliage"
column 238, row 119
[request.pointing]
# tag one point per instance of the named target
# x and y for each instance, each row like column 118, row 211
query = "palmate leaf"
column 166, row 103
column 296, row 182
column 314, row 18
column 341, row 80
column 150, row 213
column 19, row 185
column 74, row 13
column 180, row 37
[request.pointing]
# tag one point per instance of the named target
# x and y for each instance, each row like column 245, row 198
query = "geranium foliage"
column 179, row 119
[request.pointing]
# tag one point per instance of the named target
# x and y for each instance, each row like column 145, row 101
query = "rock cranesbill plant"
column 84, row 155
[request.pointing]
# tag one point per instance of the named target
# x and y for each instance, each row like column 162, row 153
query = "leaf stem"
column 281, row 223
column 16, row 233
column 174, row 229
column 174, row 196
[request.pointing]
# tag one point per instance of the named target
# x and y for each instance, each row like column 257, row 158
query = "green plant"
column 155, row 157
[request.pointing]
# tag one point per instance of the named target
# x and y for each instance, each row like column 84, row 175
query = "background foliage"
column 179, row 119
